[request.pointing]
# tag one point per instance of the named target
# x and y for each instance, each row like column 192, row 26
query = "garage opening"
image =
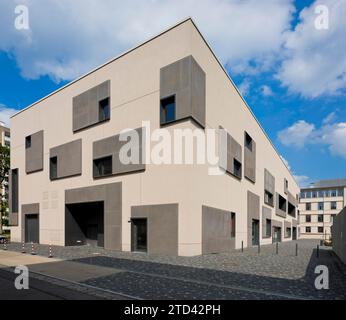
column 84, row 224
column 32, row 228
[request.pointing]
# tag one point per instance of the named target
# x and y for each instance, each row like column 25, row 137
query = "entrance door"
column 139, row 235
column 31, row 228
column 294, row 233
column 276, row 234
column 255, row 232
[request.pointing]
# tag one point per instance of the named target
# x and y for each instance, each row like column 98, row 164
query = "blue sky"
column 292, row 74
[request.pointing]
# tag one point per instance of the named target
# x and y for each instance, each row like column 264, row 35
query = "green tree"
column 4, row 170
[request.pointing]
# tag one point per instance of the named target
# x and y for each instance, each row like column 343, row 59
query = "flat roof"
column 328, row 183
column 145, row 42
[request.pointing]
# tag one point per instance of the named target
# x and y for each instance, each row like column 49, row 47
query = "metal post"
column 259, row 248
column 277, row 248
column 318, row 251
column 242, row 246
column 296, row 249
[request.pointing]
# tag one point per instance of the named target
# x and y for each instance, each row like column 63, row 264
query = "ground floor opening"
column 255, row 232
column 32, row 228
column 276, row 234
column 85, row 224
column 139, row 235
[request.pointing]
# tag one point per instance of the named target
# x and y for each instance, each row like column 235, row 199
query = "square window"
column 103, row 167
column 308, row 206
column 308, row 229
column 268, row 228
column 167, row 110
column 268, row 198
column 28, row 142
column 236, row 168
column 320, row 229
column 282, row 203
column 248, row 141
column 308, row 218
column 53, row 169
column 333, row 205
column 320, row 206
column 104, row 110
column 320, row 218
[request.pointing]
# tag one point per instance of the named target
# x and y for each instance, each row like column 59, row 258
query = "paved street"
column 237, row 275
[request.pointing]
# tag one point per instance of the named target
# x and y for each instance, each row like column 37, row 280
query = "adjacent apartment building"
column 69, row 187
column 318, row 206
column 5, row 140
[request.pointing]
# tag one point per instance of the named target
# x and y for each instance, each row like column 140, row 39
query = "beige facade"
column 179, row 63
column 318, row 207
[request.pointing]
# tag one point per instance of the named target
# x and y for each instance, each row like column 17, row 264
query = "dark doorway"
column 276, row 234
column 255, row 232
column 294, row 233
column 84, row 224
column 139, row 235
column 32, row 228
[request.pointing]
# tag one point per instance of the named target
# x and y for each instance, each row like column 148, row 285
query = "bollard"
column 242, row 246
column 296, row 249
column 318, row 251
column 32, row 249
column 50, row 251
column 277, row 248
column 259, row 248
column 5, row 244
column 23, row 247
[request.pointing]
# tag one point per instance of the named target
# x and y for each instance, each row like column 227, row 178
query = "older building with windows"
column 319, row 204
column 5, row 140
column 70, row 187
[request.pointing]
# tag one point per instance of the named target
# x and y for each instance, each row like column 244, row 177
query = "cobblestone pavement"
column 236, row 275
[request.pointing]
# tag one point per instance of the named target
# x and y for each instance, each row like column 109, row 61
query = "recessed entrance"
column 276, row 234
column 139, row 235
column 32, row 228
column 294, row 233
column 255, row 232
column 85, row 224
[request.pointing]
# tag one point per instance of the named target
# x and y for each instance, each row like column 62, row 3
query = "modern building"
column 70, row 187
column 5, row 140
column 318, row 206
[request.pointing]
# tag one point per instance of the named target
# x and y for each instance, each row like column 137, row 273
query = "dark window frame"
column 268, row 198
column 307, row 229
column 53, row 168
column 320, row 218
column 233, row 224
column 165, row 102
column 308, row 218
column 248, row 141
column 237, row 168
column 28, row 142
column 268, row 228
column 308, row 206
column 107, row 168
column 104, row 109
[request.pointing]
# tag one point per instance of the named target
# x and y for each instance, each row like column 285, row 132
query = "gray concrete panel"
column 34, row 153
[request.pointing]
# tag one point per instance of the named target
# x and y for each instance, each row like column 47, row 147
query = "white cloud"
column 67, row 38
column 297, row 135
column 285, row 162
column 5, row 114
column 244, row 87
column 331, row 134
column 316, row 59
column 266, row 91
column 303, row 181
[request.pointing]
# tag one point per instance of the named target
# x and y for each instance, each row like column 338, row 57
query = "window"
column 14, row 190
column 104, row 110
column 332, row 217
column 308, row 218
column 291, row 209
column 314, row 194
column 268, row 228
column 340, row 193
column 103, row 167
column 286, row 184
column 268, row 198
column 288, row 233
column 302, row 195
column 27, row 142
column 327, row 193
column 320, row 218
column 167, row 112
column 282, row 203
column 232, row 224
column 7, row 143
column 308, row 206
column 320, row 206
column 333, row 205
column 333, row 193
column 320, row 194
column 308, row 229
column 248, row 141
column 7, row 134
column 308, row 194
column 320, row 229
column 53, row 169
column 236, row 168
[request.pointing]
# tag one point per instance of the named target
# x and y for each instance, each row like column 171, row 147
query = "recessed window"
column 14, row 190
column 314, row 194
column 167, row 112
column 308, row 218
column 291, row 209
column 104, row 110
column 28, row 142
column 232, row 224
column 320, row 229
column 268, row 198
column 308, row 229
column 320, row 194
column 320, row 218
column 333, row 193
column 320, row 206
column 340, row 193
column 53, row 168
column 103, row 167
column 288, row 233
column 282, row 203
column 236, row 168
column 268, row 228
column 248, row 141
column 308, row 206
column 333, row 205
